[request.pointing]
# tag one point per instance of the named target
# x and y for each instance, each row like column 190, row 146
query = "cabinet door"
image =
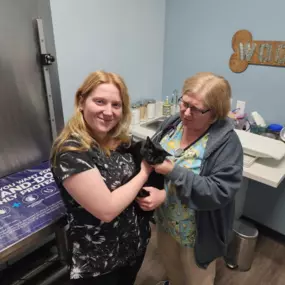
column 24, row 118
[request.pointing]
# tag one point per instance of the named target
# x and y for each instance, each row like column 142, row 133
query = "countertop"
column 265, row 170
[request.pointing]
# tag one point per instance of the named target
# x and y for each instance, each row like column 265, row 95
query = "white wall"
column 123, row 36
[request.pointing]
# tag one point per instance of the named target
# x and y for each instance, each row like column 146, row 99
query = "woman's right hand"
column 155, row 199
column 146, row 169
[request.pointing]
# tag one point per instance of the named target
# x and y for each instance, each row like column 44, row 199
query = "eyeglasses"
column 194, row 110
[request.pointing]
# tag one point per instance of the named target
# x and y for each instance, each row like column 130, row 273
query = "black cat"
column 152, row 154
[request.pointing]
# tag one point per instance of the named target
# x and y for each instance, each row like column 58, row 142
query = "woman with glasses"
column 202, row 176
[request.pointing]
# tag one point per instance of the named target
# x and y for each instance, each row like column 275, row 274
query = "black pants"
column 122, row 276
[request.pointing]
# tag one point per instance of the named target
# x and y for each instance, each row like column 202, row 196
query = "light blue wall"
column 123, row 36
column 156, row 44
column 198, row 38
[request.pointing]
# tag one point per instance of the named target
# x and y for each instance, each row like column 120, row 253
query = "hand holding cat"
column 164, row 168
column 155, row 199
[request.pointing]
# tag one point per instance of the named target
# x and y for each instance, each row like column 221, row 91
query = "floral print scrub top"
column 173, row 216
column 96, row 247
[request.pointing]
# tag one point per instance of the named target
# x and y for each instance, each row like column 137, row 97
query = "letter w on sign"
column 247, row 51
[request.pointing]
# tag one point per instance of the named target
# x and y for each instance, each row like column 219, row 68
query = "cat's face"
column 153, row 153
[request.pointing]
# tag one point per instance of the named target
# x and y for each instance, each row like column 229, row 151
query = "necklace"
column 178, row 152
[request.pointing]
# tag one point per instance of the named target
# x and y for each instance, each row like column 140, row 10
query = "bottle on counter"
column 143, row 110
column 177, row 94
column 174, row 102
column 158, row 108
column 135, row 114
column 151, row 108
column 166, row 108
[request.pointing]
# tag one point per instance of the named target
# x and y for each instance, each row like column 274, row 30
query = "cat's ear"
column 151, row 143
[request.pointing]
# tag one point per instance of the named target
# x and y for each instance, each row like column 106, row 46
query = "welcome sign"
column 248, row 51
column 29, row 201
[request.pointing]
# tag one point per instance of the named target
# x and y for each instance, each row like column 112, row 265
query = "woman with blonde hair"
column 107, row 235
column 202, row 176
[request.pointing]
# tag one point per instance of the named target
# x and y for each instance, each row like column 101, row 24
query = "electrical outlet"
column 240, row 107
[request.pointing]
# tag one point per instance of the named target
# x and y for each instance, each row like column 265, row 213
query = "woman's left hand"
column 156, row 198
column 165, row 167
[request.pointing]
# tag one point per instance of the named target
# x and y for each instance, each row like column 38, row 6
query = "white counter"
column 265, row 170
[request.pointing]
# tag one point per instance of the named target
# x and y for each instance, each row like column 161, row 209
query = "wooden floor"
column 268, row 267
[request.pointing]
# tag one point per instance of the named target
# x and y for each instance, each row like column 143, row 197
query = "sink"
column 154, row 124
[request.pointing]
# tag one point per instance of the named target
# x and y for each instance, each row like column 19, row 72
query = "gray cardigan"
column 211, row 194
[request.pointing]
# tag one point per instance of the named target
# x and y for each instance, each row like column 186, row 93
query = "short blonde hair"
column 76, row 126
column 215, row 91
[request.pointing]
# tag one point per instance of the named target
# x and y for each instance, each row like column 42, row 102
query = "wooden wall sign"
column 247, row 51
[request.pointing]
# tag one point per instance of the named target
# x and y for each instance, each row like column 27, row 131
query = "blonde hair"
column 215, row 91
column 77, row 127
